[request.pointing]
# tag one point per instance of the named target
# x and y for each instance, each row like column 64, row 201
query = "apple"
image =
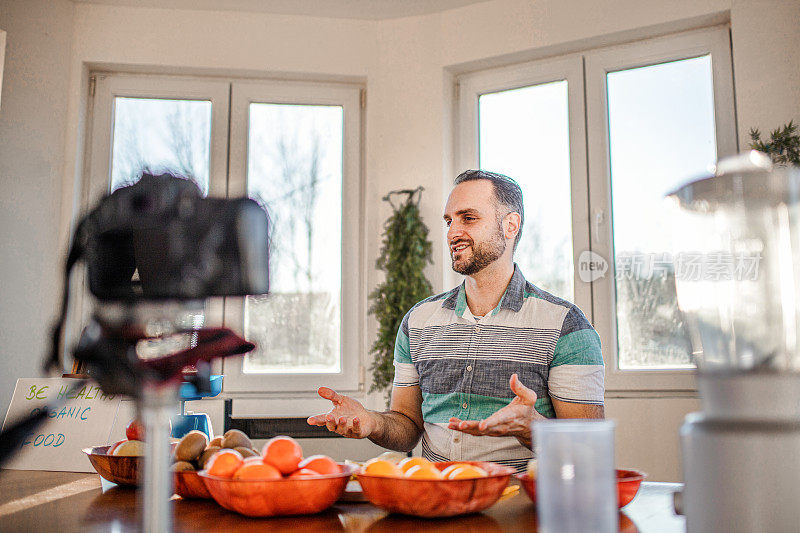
column 135, row 430
column 114, row 447
column 130, row 448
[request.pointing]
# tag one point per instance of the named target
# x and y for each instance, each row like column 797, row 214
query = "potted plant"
column 783, row 146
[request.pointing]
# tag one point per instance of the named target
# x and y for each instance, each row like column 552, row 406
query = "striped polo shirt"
column 463, row 364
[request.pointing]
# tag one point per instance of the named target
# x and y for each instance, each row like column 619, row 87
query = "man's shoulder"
column 574, row 319
column 425, row 308
column 440, row 300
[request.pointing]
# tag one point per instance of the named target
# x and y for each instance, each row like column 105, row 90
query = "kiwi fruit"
column 246, row 452
column 216, row 441
column 234, row 438
column 206, row 455
column 191, row 446
column 182, row 466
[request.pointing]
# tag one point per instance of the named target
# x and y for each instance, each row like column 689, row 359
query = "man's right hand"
column 347, row 417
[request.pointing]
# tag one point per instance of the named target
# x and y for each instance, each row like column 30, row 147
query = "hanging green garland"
column 404, row 253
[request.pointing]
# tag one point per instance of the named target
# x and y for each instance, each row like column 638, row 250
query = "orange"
column 303, row 473
column 224, row 463
column 408, row 462
column 321, row 464
column 284, row 453
column 463, row 471
column 423, row 472
column 258, row 471
column 379, row 467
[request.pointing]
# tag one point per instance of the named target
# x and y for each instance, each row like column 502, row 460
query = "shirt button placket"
column 458, row 439
column 469, row 375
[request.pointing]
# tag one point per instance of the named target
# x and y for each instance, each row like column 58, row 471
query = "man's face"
column 475, row 235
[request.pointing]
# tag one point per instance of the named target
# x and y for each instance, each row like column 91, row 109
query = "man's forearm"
column 395, row 431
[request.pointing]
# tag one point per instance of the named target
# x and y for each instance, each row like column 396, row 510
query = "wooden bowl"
column 278, row 497
column 189, row 485
column 437, row 497
column 119, row 469
column 628, row 482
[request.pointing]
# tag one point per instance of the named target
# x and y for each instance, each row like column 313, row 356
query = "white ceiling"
column 352, row 9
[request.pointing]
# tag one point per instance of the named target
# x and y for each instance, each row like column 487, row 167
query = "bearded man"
column 476, row 365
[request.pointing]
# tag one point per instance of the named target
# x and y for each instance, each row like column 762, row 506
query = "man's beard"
column 483, row 254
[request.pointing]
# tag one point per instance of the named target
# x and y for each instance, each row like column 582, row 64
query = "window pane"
column 524, row 133
column 160, row 136
column 294, row 167
column 661, row 133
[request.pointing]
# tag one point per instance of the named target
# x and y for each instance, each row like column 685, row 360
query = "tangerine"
column 463, row 471
column 423, row 472
column 224, row 463
column 408, row 462
column 379, row 467
column 302, row 473
column 284, row 453
column 257, row 471
column 321, row 464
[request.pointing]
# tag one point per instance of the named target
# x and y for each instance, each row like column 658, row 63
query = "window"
column 654, row 113
column 529, row 126
column 294, row 147
column 525, row 133
column 161, row 135
column 657, row 113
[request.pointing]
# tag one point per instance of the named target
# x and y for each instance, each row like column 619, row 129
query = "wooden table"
column 65, row 502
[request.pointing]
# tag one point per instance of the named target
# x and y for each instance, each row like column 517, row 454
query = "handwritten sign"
column 83, row 418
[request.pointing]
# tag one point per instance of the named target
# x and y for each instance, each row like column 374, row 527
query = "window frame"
column 590, row 163
column 243, row 93
column 109, row 86
column 227, row 177
column 97, row 176
column 713, row 41
column 568, row 68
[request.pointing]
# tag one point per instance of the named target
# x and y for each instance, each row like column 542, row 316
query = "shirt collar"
column 512, row 298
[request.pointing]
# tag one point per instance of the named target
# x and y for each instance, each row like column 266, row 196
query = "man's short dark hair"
column 506, row 191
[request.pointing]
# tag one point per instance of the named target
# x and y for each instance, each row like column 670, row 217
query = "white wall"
column 408, row 66
column 766, row 64
column 33, row 123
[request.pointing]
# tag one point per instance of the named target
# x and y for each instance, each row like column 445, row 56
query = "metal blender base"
column 743, row 474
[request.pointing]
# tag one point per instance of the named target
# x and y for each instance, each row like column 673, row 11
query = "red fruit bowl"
column 278, row 497
column 189, row 485
column 119, row 469
column 437, row 497
column 628, row 482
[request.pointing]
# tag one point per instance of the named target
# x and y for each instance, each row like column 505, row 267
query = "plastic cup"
column 576, row 482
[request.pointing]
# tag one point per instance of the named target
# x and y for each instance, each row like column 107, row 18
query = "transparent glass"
column 160, row 135
column 743, row 311
column 294, row 167
column 575, row 480
column 661, row 133
column 524, row 134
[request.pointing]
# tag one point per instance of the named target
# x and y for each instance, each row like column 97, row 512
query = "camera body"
column 160, row 239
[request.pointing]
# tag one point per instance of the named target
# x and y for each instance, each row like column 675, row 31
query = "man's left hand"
column 513, row 420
